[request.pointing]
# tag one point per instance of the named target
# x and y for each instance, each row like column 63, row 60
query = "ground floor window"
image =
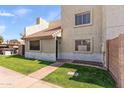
column 83, row 45
column 35, row 45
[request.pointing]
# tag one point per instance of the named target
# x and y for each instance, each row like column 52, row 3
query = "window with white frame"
column 35, row 45
column 83, row 45
column 83, row 18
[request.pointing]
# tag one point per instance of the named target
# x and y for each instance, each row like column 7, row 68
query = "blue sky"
column 13, row 19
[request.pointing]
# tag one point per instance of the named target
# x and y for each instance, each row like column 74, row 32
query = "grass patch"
column 89, row 77
column 21, row 64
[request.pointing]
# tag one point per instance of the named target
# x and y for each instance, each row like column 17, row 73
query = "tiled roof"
column 52, row 28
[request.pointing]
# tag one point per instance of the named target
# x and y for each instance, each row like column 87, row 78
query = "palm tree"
column 1, row 39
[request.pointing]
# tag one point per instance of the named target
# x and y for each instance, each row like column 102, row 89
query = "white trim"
column 91, row 45
column 34, row 50
column 97, row 57
column 83, row 25
column 57, row 33
column 91, row 19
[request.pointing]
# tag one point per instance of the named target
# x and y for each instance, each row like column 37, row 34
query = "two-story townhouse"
column 86, row 32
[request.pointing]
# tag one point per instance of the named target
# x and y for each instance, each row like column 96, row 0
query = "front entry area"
column 58, row 43
column 56, row 49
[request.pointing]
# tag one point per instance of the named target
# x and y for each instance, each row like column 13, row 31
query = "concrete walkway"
column 46, row 70
column 12, row 79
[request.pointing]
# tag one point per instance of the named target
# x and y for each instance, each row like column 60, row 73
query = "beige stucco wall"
column 46, row 46
column 47, row 50
column 71, row 33
column 114, row 21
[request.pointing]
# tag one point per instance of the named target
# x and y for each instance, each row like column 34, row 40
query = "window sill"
column 83, row 25
column 34, row 50
column 83, row 52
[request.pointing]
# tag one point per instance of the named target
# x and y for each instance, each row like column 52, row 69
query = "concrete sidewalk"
column 29, row 82
column 12, row 79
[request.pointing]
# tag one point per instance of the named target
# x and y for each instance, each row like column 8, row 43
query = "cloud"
column 53, row 15
column 2, row 28
column 3, row 13
column 17, row 12
column 22, row 11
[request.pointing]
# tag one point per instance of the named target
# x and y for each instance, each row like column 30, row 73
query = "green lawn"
column 89, row 77
column 21, row 64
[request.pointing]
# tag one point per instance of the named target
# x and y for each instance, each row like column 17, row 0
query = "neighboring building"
column 10, row 47
column 3, row 46
column 86, row 32
column 21, row 48
column 14, row 42
column 8, row 51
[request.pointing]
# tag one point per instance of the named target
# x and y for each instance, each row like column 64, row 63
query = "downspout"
column 107, row 57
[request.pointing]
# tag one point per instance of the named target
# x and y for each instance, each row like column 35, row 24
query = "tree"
column 1, row 39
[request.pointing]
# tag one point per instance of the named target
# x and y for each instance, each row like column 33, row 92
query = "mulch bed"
column 88, row 63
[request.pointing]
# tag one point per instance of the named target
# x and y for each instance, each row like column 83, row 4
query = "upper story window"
column 35, row 45
column 83, row 18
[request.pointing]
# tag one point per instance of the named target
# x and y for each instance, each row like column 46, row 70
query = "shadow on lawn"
column 22, row 57
column 17, row 56
column 92, row 75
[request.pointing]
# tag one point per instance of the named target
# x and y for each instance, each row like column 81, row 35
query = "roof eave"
column 40, row 37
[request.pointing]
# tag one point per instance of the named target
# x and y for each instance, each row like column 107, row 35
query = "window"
column 83, row 18
column 35, row 45
column 83, row 45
